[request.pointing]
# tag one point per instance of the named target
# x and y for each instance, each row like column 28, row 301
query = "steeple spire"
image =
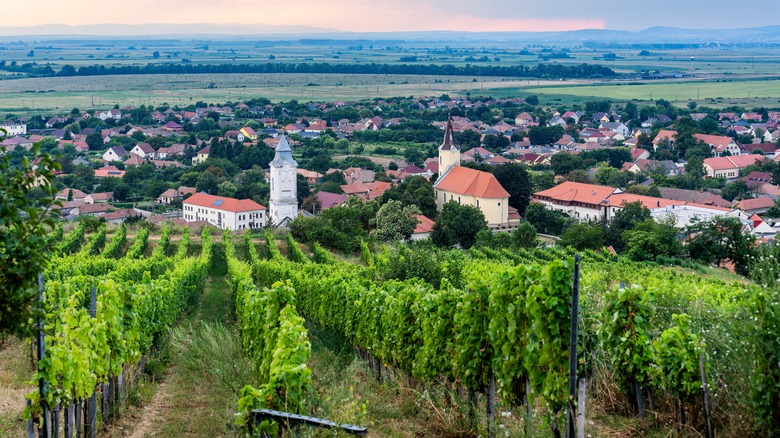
column 449, row 137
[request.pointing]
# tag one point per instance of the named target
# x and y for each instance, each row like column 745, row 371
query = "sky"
column 400, row 15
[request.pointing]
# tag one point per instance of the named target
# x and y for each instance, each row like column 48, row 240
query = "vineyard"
column 483, row 334
column 101, row 315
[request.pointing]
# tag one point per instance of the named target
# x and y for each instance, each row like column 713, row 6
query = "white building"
column 225, row 213
column 13, row 129
column 283, row 202
column 116, row 153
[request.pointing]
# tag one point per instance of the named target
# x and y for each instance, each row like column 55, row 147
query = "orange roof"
column 222, row 203
column 664, row 134
column 424, row 224
column 107, row 171
column 756, row 203
column 472, row 182
column 650, row 202
column 368, row 191
column 718, row 141
column 573, row 191
column 732, row 162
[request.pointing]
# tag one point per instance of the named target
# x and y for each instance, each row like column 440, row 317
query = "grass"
column 203, row 369
column 15, row 371
column 672, row 91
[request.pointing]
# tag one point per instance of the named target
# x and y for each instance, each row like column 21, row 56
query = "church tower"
column 449, row 152
column 283, row 202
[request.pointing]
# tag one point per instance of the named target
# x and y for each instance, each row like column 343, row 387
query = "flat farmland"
column 672, row 91
column 85, row 92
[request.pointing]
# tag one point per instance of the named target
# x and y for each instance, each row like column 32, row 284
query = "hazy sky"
column 402, row 15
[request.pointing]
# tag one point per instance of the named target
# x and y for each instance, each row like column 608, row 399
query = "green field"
column 94, row 92
column 672, row 91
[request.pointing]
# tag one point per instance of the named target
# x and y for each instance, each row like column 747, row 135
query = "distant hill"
column 654, row 35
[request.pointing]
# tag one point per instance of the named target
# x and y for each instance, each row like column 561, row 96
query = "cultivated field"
column 104, row 91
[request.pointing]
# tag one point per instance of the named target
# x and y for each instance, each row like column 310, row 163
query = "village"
column 738, row 152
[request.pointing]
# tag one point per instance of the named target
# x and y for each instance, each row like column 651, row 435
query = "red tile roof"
column 573, row 191
column 755, row 203
column 424, row 224
column 222, row 203
column 368, row 191
column 472, row 182
column 649, row 202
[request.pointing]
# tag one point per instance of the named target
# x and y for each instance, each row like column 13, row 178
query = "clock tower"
column 284, row 185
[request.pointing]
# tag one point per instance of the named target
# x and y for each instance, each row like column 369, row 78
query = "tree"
column 303, row 190
column 546, row 221
column 736, row 190
column 514, row 179
column 524, row 236
column 631, row 214
column 458, row 224
column 544, row 135
column 564, row 162
column 25, row 226
column 532, row 100
column 583, row 236
column 95, row 141
column 649, row 239
column 395, row 222
column 719, row 239
column 416, row 190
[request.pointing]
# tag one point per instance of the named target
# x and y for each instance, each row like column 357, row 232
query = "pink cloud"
column 346, row 15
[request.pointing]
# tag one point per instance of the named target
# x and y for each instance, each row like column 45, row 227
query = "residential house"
column 616, row 127
column 719, row 144
column 115, row 153
column 172, row 151
column 171, row 195
column 12, row 128
column 756, row 205
column 248, row 132
column 172, row 127
column 423, row 229
column 224, row 213
column 94, row 198
column 143, row 150
column 666, row 167
column 119, row 216
column 311, row 176
column 729, row 167
column 109, row 171
column 664, row 136
column 524, row 119
column 328, row 200
column 73, row 194
column 201, row 156
column 134, row 160
column 367, row 191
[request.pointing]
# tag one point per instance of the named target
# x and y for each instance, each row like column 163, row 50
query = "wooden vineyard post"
column 471, row 401
column 582, row 396
column 90, row 420
column 706, row 395
column 491, row 406
column 528, row 409
column 68, row 423
column 45, row 427
column 30, row 426
column 575, row 304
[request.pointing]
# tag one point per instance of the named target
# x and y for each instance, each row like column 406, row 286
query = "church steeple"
column 283, row 201
column 449, row 152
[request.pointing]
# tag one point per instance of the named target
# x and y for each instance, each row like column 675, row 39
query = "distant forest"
column 545, row 71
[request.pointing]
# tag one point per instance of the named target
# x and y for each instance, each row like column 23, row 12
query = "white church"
column 239, row 214
column 283, row 203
